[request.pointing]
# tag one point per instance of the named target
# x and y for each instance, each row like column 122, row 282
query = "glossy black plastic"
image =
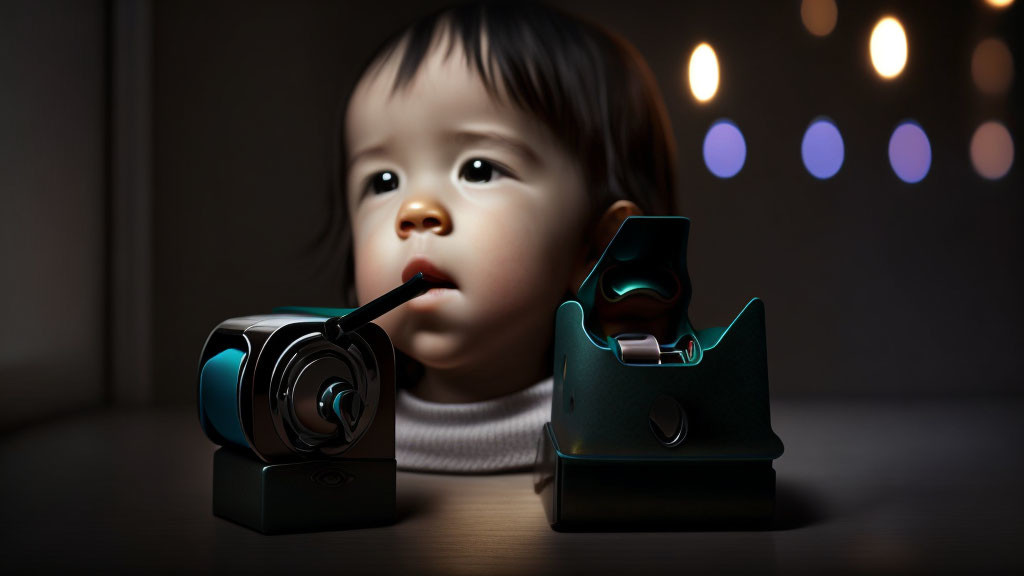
column 303, row 496
column 599, row 494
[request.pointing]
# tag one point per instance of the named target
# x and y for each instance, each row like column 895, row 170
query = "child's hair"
column 587, row 85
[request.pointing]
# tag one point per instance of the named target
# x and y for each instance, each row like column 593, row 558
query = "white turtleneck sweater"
column 491, row 436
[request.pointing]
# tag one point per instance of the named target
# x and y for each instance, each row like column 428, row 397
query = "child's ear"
column 602, row 234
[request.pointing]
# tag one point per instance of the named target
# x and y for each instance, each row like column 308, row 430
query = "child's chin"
column 436, row 349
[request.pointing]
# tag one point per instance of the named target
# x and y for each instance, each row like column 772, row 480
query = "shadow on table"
column 411, row 502
column 796, row 506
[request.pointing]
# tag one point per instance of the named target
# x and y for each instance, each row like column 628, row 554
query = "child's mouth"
column 435, row 275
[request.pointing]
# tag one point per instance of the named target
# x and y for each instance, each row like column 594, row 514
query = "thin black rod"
column 336, row 327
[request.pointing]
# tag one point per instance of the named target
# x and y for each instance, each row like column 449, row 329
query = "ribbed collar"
column 490, row 436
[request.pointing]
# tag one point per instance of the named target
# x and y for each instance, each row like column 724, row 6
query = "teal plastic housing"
column 219, row 395
column 604, row 408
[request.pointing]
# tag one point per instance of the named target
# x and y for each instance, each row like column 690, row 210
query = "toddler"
column 496, row 148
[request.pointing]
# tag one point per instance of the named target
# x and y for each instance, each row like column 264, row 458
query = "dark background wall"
column 872, row 286
column 53, row 207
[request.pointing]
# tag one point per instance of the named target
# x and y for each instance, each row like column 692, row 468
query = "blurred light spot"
column 999, row 3
column 992, row 150
column 910, row 153
column 819, row 16
column 822, row 149
column 992, row 66
column 725, row 151
column 888, row 47
column 703, row 72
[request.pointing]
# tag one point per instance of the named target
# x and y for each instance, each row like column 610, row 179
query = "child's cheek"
column 376, row 254
column 518, row 265
column 375, row 276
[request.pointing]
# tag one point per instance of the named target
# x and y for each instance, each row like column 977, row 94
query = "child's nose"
column 422, row 214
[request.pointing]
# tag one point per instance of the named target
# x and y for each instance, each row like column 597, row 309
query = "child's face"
column 445, row 179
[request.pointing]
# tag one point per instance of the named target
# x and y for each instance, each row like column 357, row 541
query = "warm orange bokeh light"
column 703, row 72
column 889, row 47
column 992, row 66
column 819, row 16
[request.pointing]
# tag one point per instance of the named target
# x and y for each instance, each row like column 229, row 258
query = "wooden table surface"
column 863, row 487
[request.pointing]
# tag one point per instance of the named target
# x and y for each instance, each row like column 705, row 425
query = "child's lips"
column 431, row 272
column 431, row 299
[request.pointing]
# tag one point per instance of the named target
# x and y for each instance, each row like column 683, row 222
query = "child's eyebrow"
column 470, row 136
column 372, row 150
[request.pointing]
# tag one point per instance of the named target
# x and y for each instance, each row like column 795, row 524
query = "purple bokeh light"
column 822, row 149
column 910, row 153
column 725, row 151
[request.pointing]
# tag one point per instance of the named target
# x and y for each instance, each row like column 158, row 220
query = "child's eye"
column 382, row 182
column 479, row 170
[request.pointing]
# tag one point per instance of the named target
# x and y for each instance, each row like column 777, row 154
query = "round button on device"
column 668, row 421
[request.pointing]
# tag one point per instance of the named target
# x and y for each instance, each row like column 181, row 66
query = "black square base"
column 586, row 493
column 306, row 496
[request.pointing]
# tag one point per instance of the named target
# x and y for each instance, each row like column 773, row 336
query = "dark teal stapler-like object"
column 654, row 424
column 302, row 402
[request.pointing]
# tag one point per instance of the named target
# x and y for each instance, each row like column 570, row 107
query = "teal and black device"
column 654, row 424
column 302, row 402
